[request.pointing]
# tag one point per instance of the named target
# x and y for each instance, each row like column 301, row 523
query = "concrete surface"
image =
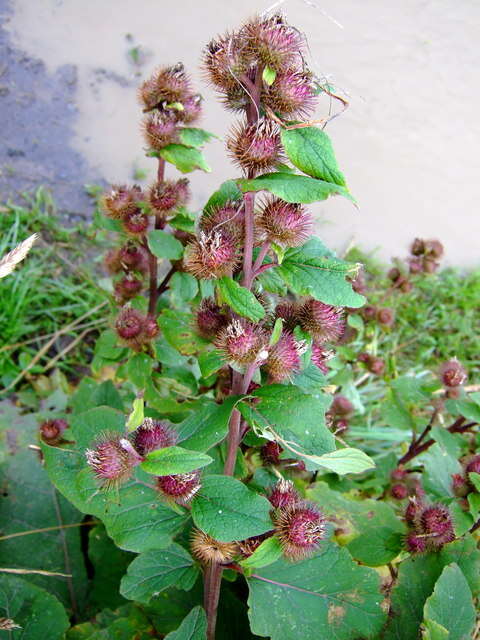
column 408, row 143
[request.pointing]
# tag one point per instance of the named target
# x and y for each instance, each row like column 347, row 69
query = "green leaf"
column 183, row 287
column 439, row 466
column 276, row 332
column 435, row 631
column 210, row 362
column 310, row 379
column 193, row 137
column 297, row 418
column 311, row 270
column 88, row 426
column 310, row 149
column 370, row 527
column 39, row 614
column 136, row 416
column 240, row 299
column 139, row 368
column 228, row 191
column 193, row 627
column 109, row 564
column 227, row 510
column 450, row 604
column 417, row 576
column 343, row 461
column 186, row 159
column 269, row 75
column 326, row 596
column 163, row 245
column 28, row 503
column 268, row 552
column 294, row 188
column 154, row 571
column 177, row 328
column 106, row 394
column 206, row 425
column 171, row 460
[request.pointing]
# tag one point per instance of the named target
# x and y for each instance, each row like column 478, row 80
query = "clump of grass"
column 52, row 289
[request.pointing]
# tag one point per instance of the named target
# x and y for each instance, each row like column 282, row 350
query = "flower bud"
column 436, row 523
column 135, row 223
column 192, row 109
column 418, row 247
column 460, row 485
column 369, row 312
column 284, row 223
column 358, row 283
column 433, row 248
column 398, row 474
column 341, row 425
column 242, row 343
column 225, row 60
column 180, row 487
column 168, row 195
column 135, row 329
column 415, row 265
column 300, row 528
column 386, row 316
column 413, row 511
column 341, row 406
column 229, row 217
column 134, row 258
column 250, row 545
column 473, row 465
column 273, row 42
column 290, row 314
column 255, row 147
column 166, row 85
column 121, row 201
column 209, row 318
column 394, row 274
column 373, row 364
column 209, row 551
column 112, row 460
column 452, row 374
column 152, row 435
column 112, row 261
column 399, row 491
column 159, row 129
column 283, row 494
column 270, row 453
column 415, row 543
column 284, row 358
column 51, row 431
column 324, row 322
column 212, row 255
column 320, row 357
column 292, row 93
column 128, row 287
column 429, row 265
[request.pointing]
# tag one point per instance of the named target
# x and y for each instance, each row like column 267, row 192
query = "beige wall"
column 408, row 144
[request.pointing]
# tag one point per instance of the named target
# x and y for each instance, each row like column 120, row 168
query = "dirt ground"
column 408, row 143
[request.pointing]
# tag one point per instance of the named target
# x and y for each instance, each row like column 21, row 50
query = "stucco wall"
column 408, row 143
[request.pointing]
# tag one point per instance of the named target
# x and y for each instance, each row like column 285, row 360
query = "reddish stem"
column 152, row 260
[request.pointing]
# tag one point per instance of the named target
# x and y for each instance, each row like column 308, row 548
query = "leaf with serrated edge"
column 450, row 604
column 311, row 150
column 240, row 299
column 227, row 510
column 294, row 188
column 193, row 627
column 326, row 596
column 172, row 460
column 154, row 571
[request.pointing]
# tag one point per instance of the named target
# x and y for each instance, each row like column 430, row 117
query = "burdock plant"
column 224, row 328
